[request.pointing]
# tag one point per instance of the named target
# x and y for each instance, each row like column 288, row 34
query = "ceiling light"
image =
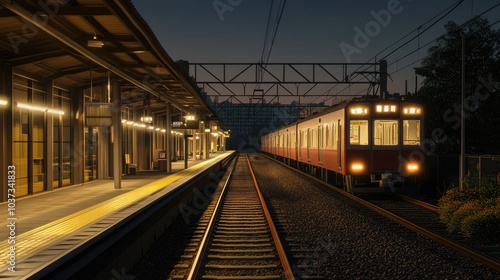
column 3, row 102
column 94, row 43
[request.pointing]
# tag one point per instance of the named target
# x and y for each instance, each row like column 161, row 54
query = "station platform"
column 48, row 224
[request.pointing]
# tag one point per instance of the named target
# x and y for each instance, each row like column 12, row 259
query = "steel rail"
column 279, row 246
column 202, row 249
column 420, row 203
column 464, row 250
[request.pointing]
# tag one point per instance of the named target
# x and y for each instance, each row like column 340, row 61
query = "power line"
column 432, row 41
column 447, row 11
column 265, row 57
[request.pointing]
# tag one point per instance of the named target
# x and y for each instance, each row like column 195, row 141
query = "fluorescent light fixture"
column 142, row 125
column 163, row 130
column 130, row 122
column 207, row 130
column 124, row 121
column 151, row 127
column 38, row 108
column 3, row 102
column 54, row 111
column 31, row 107
column 157, row 129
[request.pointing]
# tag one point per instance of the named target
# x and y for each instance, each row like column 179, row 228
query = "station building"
column 87, row 92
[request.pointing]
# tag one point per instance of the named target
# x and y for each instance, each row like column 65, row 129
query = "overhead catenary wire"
column 446, row 12
column 391, row 45
column 265, row 56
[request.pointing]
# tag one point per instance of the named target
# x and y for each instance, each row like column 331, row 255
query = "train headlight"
column 357, row 167
column 412, row 167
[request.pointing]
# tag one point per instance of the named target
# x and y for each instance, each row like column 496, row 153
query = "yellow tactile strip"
column 39, row 238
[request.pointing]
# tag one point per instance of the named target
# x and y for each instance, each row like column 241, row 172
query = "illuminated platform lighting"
column 147, row 119
column 124, row 121
column 54, row 111
column 163, row 130
column 151, row 127
column 3, row 102
column 157, row 129
column 190, row 117
column 38, row 108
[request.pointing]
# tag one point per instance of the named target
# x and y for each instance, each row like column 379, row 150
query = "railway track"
column 423, row 219
column 235, row 238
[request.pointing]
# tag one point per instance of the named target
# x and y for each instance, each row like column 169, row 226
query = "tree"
column 441, row 89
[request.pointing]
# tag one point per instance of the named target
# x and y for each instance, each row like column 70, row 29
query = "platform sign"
column 185, row 124
column 99, row 114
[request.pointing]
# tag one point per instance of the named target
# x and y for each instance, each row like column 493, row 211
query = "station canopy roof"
column 54, row 41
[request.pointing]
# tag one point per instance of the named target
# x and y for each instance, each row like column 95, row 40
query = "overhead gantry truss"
column 285, row 79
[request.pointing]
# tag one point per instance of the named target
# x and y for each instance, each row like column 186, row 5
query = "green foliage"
column 473, row 211
column 441, row 88
column 483, row 225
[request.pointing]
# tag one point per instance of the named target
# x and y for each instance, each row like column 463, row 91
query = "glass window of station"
column 31, row 120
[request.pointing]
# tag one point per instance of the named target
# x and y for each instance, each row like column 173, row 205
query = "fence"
column 442, row 171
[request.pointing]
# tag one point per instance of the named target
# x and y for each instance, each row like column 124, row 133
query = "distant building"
column 249, row 121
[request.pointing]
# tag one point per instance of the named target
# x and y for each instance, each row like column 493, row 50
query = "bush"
column 453, row 200
column 466, row 209
column 473, row 212
column 483, row 225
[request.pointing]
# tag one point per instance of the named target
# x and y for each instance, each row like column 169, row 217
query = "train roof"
column 337, row 107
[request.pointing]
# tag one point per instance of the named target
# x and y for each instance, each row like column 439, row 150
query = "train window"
column 334, row 136
column 385, row 132
column 359, row 132
column 303, row 139
column 326, row 138
column 309, row 140
column 411, row 132
column 314, row 138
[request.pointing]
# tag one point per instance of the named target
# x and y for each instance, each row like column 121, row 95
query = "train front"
column 384, row 139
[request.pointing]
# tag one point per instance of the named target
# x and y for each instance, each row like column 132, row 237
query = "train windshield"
column 385, row 132
column 359, row 132
column 411, row 132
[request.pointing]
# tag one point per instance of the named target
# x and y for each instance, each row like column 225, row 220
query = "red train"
column 362, row 145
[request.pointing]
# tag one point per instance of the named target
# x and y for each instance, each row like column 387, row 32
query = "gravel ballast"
column 348, row 241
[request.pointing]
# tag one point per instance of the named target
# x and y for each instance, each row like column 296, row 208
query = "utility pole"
column 462, row 134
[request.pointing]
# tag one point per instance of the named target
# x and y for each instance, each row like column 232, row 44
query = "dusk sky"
column 310, row 31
